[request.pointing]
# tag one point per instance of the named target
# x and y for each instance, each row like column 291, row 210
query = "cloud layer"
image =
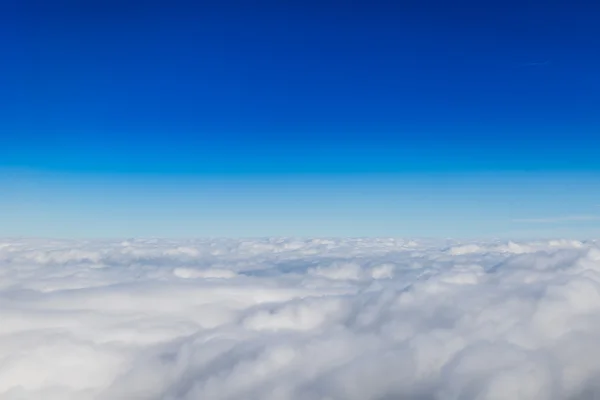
column 283, row 319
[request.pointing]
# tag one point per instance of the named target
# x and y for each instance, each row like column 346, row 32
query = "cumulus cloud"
column 284, row 319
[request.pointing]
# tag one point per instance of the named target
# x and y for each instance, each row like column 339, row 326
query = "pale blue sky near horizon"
column 468, row 205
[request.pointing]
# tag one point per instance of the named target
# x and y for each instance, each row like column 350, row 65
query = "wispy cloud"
column 536, row 63
column 566, row 218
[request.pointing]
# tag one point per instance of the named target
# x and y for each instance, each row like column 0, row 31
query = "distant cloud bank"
column 284, row 319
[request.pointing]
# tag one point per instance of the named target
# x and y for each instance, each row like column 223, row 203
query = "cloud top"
column 285, row 319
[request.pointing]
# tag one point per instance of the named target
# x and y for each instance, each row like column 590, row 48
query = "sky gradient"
column 356, row 119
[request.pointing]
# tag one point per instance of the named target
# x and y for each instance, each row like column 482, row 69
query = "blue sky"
column 314, row 119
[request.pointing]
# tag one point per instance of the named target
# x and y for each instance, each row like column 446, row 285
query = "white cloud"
column 283, row 319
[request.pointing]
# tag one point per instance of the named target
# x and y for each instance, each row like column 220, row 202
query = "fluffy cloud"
column 283, row 319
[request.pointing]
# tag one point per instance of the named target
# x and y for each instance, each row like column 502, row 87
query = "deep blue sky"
column 258, row 90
